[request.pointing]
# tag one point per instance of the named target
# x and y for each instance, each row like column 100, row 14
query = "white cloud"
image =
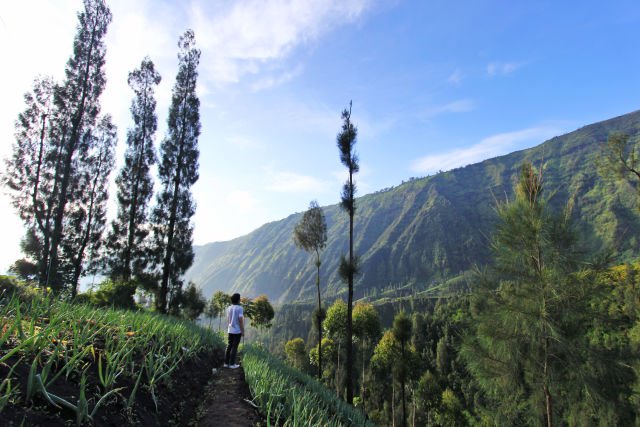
column 272, row 81
column 241, row 201
column 245, row 142
column 489, row 147
column 238, row 38
column 455, row 78
column 503, row 68
column 459, row 106
column 291, row 182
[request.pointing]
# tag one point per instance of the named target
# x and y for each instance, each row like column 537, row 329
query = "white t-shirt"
column 234, row 314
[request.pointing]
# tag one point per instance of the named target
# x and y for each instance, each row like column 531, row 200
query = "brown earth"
column 193, row 396
column 227, row 401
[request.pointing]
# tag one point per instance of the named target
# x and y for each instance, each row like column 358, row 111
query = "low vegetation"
column 62, row 362
column 288, row 397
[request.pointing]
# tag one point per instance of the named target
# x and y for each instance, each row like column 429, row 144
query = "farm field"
column 63, row 362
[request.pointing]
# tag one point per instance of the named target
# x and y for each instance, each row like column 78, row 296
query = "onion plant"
column 290, row 398
column 57, row 341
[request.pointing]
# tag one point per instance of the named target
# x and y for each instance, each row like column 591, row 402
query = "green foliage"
column 10, row 286
column 58, row 344
column 57, row 174
column 288, row 397
column 221, row 301
column 329, row 354
column 530, row 314
column 259, row 311
column 336, row 321
column 348, row 266
column 404, row 238
column 126, row 242
column 116, row 294
column 193, row 303
column 310, row 234
column 366, row 322
column 24, row 269
column 296, row 354
column 178, row 172
column 620, row 158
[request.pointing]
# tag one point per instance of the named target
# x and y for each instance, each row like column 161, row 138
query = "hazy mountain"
column 430, row 228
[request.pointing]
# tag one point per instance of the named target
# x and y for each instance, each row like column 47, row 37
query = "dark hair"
column 235, row 299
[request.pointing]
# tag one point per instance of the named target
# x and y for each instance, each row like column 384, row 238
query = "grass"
column 290, row 398
column 48, row 346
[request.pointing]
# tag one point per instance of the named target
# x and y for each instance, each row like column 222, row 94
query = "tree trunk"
column 319, row 317
column 76, row 124
column 350, row 301
column 166, row 269
column 393, row 404
column 362, row 394
column 402, row 381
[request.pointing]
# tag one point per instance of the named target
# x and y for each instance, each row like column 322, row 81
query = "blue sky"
column 435, row 85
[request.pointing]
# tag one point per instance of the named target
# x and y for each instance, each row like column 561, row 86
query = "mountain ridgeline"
column 425, row 231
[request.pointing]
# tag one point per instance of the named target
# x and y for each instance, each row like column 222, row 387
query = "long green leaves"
column 58, row 341
column 290, row 398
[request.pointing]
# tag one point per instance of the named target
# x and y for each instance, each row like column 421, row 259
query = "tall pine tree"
column 29, row 173
column 178, row 171
column 53, row 140
column 86, row 222
column 78, row 103
column 530, row 313
column 127, row 253
column 348, row 267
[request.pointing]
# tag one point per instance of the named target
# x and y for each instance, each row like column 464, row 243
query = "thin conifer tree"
column 346, row 140
column 530, row 311
column 178, row 171
column 86, row 222
column 310, row 234
column 127, row 249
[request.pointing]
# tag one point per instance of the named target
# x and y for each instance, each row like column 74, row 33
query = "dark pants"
column 232, row 349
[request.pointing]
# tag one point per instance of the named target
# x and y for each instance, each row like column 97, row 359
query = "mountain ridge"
column 429, row 229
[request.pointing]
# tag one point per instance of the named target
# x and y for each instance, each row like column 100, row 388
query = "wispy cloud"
column 239, row 38
column 291, row 182
column 455, row 78
column 503, row 68
column 489, row 147
column 245, row 142
column 241, row 201
column 276, row 80
column 459, row 106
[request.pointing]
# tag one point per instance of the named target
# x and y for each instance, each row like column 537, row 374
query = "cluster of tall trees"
column 62, row 158
column 547, row 335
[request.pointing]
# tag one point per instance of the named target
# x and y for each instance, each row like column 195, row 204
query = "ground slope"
column 431, row 228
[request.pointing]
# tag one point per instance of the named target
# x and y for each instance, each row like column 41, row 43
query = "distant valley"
column 428, row 230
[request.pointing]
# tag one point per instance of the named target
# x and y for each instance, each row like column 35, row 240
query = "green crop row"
column 60, row 341
column 290, row 398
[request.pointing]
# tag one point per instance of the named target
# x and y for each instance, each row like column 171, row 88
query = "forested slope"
column 431, row 228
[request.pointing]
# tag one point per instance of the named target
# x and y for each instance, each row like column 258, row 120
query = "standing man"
column 235, row 329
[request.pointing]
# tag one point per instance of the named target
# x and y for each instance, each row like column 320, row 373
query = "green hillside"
column 429, row 229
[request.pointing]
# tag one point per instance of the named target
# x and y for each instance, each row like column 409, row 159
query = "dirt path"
column 225, row 405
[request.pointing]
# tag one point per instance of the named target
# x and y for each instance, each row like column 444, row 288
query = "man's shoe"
column 225, row 365
column 234, row 366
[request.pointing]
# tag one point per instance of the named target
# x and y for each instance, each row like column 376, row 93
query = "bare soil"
column 193, row 396
column 226, row 403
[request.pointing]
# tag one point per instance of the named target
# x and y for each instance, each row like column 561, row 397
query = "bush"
column 115, row 294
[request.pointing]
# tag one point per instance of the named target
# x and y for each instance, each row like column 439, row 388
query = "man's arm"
column 241, row 321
